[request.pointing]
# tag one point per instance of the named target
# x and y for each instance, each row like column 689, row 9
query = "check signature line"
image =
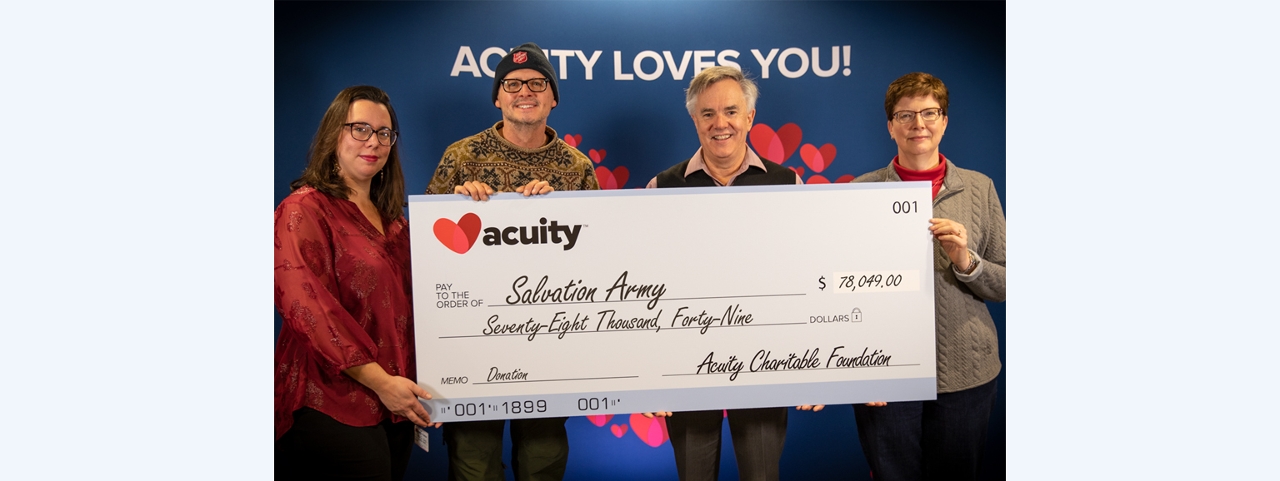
column 784, row 370
column 748, row 296
column 604, row 331
column 555, row 380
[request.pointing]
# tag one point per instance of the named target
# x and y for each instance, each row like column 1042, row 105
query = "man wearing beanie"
column 521, row 154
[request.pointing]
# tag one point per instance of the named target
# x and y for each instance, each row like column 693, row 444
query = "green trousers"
column 539, row 449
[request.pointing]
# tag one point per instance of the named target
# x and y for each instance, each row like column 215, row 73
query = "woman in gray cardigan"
column 943, row 439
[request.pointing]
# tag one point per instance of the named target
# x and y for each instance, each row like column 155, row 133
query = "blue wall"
column 412, row 50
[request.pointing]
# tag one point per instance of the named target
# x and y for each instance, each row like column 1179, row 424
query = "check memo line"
column 556, row 380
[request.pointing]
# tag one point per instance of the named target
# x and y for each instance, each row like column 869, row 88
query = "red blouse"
column 344, row 292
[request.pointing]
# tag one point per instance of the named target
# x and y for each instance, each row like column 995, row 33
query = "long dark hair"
column 387, row 188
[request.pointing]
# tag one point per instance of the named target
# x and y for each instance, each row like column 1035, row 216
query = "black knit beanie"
column 528, row 55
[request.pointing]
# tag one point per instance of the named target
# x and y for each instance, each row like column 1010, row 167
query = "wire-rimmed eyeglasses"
column 909, row 116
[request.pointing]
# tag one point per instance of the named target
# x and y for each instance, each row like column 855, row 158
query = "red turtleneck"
column 934, row 175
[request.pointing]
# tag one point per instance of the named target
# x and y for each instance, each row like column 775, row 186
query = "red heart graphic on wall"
column 653, row 431
column 818, row 158
column 776, row 146
column 817, row 179
column 798, row 170
column 600, row 420
column 614, row 179
column 846, row 178
column 458, row 237
column 618, row 430
column 573, row 140
column 597, row 156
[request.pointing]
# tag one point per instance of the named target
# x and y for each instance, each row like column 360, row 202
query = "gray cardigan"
column 968, row 349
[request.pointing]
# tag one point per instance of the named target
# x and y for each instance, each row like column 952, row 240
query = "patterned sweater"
column 968, row 349
column 488, row 157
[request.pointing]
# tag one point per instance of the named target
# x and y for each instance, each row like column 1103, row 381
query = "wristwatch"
column 973, row 265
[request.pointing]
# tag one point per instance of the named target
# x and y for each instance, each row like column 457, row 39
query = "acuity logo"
column 460, row 236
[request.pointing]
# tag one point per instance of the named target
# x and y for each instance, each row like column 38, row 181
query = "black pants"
column 318, row 447
column 758, row 437
column 927, row 440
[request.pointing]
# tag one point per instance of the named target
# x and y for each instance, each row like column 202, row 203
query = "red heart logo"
column 817, row 179
column 614, row 179
column 798, row 170
column 618, row 430
column 846, row 178
column 653, row 431
column 818, row 158
column 600, row 420
column 776, row 146
column 597, row 156
column 573, row 140
column 458, row 237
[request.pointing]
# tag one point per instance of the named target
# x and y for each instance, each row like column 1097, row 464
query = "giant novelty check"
column 610, row 302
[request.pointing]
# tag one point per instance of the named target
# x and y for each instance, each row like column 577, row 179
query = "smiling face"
column 525, row 108
column 722, row 118
column 918, row 140
column 360, row 160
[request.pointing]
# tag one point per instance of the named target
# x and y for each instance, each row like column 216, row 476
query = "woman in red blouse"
column 345, row 392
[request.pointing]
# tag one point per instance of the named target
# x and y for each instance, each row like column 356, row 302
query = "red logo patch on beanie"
column 520, row 57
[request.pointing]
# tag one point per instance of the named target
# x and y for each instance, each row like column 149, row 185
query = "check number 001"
column 527, row 406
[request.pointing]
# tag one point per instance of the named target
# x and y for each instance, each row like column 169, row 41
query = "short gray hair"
column 715, row 74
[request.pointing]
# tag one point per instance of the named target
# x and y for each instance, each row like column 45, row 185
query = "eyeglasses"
column 362, row 131
column 513, row 85
column 908, row 116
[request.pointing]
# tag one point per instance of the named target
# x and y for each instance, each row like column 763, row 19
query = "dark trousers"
column 758, row 436
column 927, row 440
column 319, row 448
column 539, row 449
